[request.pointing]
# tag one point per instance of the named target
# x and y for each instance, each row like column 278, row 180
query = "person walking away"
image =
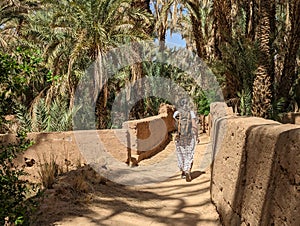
column 185, row 139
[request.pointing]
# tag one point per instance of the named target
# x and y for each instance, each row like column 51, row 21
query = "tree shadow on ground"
column 78, row 194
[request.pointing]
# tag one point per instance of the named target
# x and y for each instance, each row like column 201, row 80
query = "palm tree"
column 74, row 34
column 196, row 18
column 144, row 6
column 137, row 66
column 13, row 16
column 222, row 24
column 293, row 41
column 84, row 31
column 161, row 14
column 262, row 85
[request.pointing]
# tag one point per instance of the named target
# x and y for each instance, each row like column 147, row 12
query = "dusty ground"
column 81, row 198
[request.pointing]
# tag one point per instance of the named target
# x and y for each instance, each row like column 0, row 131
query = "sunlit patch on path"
column 171, row 202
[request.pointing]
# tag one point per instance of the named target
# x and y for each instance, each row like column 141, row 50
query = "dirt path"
column 172, row 202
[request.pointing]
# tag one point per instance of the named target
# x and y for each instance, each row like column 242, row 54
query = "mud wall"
column 73, row 148
column 256, row 171
column 149, row 136
column 67, row 148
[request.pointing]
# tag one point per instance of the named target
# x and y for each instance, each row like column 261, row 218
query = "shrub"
column 13, row 190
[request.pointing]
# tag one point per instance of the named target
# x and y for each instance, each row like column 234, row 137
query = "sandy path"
column 172, row 202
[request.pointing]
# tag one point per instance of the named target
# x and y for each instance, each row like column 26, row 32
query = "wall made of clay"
column 149, row 136
column 256, row 171
column 70, row 149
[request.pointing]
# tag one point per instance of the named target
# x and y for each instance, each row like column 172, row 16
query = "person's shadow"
column 196, row 174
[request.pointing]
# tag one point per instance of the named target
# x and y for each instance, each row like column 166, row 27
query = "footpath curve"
column 171, row 202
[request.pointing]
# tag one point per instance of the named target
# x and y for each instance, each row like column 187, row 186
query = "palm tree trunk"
column 161, row 15
column 137, row 67
column 70, row 85
column 289, row 68
column 198, row 37
column 223, row 23
column 136, row 78
column 262, row 90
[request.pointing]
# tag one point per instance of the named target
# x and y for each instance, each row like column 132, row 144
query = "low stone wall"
column 69, row 149
column 217, row 110
column 73, row 148
column 256, row 172
column 150, row 135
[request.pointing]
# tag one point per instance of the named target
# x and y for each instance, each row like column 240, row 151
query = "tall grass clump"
column 48, row 171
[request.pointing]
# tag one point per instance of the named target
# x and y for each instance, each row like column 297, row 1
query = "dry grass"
column 48, row 171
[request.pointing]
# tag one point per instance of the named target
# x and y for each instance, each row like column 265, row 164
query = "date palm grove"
column 252, row 46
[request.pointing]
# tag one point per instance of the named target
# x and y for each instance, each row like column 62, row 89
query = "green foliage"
column 202, row 99
column 55, row 117
column 24, row 118
column 245, row 102
column 22, row 77
column 239, row 60
column 13, row 190
column 277, row 109
column 295, row 95
column 203, row 104
column 72, row 34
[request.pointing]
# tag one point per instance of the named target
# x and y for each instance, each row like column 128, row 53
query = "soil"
column 84, row 198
